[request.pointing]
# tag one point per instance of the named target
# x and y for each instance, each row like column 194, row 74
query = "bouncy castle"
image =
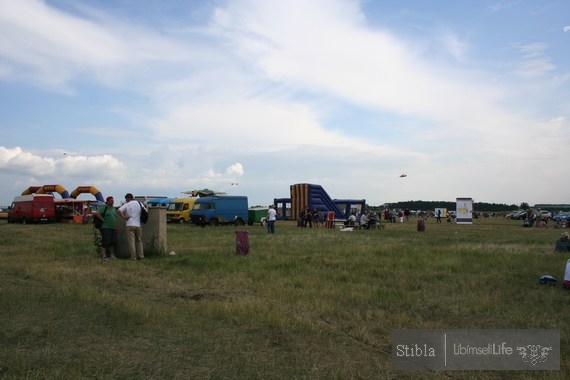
column 305, row 195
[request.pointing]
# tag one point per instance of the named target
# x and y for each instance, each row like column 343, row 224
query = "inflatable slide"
column 315, row 197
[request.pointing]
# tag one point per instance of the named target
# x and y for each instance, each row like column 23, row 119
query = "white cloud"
column 49, row 47
column 16, row 160
column 566, row 28
column 534, row 67
column 532, row 50
column 338, row 57
column 454, row 46
column 534, row 62
column 245, row 124
column 235, row 170
column 90, row 166
column 498, row 6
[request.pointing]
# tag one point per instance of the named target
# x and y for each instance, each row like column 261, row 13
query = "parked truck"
column 32, row 208
column 223, row 209
column 178, row 210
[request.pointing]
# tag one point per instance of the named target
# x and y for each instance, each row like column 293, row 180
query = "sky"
column 157, row 97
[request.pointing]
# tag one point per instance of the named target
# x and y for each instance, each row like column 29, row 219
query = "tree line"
column 450, row 205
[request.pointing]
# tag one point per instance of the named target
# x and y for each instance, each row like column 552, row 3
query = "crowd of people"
column 370, row 219
column 367, row 220
column 308, row 218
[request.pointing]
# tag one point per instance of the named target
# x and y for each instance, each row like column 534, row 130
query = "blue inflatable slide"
column 315, row 197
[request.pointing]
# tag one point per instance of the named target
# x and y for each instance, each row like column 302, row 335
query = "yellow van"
column 178, row 210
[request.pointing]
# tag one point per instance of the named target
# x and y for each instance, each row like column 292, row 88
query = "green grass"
column 305, row 303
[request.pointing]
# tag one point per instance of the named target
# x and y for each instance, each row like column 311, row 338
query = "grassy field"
column 305, row 303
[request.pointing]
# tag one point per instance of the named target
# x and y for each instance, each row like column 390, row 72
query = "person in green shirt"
column 108, row 214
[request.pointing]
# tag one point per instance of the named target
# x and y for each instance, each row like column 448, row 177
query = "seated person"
column 563, row 244
column 350, row 221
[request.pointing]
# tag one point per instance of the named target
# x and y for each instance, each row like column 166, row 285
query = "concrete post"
column 154, row 234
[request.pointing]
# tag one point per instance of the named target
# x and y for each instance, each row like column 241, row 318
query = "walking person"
column 271, row 218
column 108, row 215
column 131, row 211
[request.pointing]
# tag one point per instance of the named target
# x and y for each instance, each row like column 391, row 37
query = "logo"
column 534, row 353
column 477, row 349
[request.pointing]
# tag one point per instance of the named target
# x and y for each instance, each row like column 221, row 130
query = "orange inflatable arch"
column 47, row 189
column 31, row 190
column 88, row 189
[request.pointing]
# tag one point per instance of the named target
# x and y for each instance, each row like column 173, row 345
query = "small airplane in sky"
column 403, row 175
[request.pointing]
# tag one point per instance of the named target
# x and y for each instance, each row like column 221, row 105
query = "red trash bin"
column 330, row 220
column 242, row 243
column 421, row 225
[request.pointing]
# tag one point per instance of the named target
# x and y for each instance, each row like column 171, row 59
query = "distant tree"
column 524, row 206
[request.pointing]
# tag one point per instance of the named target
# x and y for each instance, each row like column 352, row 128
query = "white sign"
column 464, row 211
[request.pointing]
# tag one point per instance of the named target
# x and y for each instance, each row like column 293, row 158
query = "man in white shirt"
column 351, row 221
column 364, row 221
column 131, row 211
column 271, row 218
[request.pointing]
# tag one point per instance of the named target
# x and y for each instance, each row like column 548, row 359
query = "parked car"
column 4, row 212
column 511, row 215
column 562, row 216
column 519, row 215
column 545, row 214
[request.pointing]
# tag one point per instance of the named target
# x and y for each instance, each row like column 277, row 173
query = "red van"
column 32, row 208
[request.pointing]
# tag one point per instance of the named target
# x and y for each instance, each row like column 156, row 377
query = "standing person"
column 308, row 217
column 108, row 215
column 364, row 221
column 438, row 215
column 271, row 217
column 130, row 211
column 316, row 216
column 301, row 219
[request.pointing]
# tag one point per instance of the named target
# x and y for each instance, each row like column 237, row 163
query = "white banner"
column 464, row 211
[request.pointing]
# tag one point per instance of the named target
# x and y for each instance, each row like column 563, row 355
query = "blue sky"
column 468, row 98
